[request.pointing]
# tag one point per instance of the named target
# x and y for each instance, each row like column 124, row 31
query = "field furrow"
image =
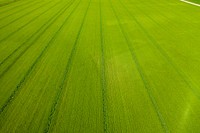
column 99, row 66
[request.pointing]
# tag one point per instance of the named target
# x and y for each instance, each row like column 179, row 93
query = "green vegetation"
column 88, row 66
column 6, row 2
column 195, row 1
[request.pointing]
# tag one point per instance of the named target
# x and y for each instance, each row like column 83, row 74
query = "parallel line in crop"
column 103, row 75
column 67, row 69
column 48, row 23
column 20, row 10
column 177, row 69
column 14, row 7
column 156, row 45
column 157, row 8
column 157, row 23
column 142, row 74
column 167, row 19
column 20, row 84
column 8, row 3
column 28, row 13
column 28, row 22
column 148, row 16
column 185, row 17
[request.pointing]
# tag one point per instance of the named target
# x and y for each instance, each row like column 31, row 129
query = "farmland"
column 94, row 66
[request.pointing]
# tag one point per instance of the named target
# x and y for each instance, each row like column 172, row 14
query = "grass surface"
column 88, row 66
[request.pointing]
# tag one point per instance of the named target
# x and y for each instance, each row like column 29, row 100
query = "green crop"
column 94, row 66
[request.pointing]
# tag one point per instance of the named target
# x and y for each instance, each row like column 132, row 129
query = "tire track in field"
column 164, row 16
column 167, row 58
column 20, row 84
column 142, row 74
column 28, row 23
column 103, row 75
column 66, row 72
column 149, row 17
column 62, row 12
column 154, row 21
column 21, row 9
column 37, row 37
column 28, row 13
column 29, row 38
column 8, row 10
column 180, row 72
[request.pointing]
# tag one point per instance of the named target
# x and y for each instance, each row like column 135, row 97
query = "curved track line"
column 103, row 75
column 27, row 23
column 24, row 15
column 21, row 9
column 156, row 45
column 142, row 75
column 65, row 77
column 38, row 36
column 20, row 84
column 7, row 10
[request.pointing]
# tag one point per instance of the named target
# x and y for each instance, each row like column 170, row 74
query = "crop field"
column 94, row 66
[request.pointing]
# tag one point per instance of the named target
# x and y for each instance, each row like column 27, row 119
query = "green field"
column 195, row 1
column 94, row 66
